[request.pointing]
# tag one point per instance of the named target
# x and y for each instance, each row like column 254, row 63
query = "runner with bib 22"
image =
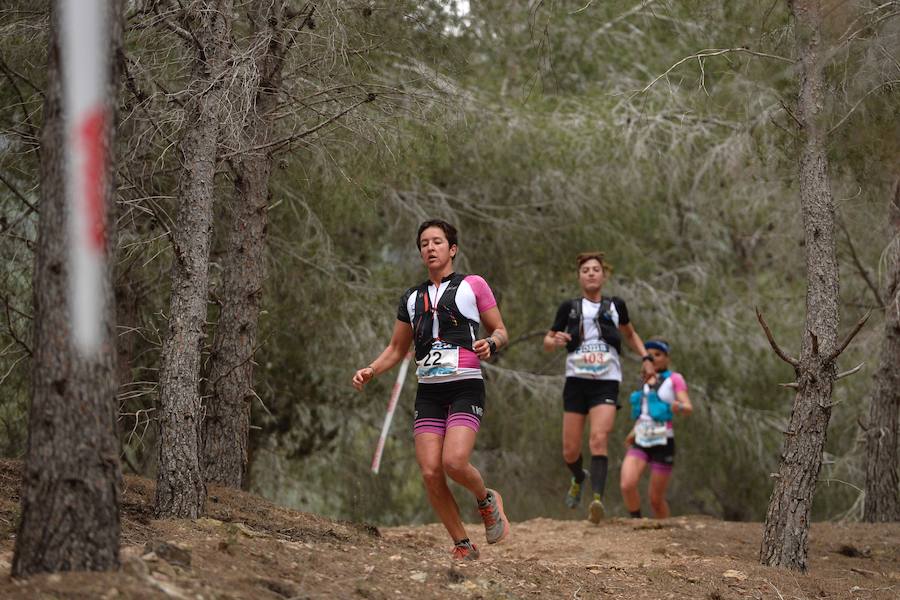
column 441, row 317
column 653, row 439
column 591, row 328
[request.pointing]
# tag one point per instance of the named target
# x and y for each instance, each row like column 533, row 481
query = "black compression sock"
column 635, row 514
column 577, row 469
column 599, row 466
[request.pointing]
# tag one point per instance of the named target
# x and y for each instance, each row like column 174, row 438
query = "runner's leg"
column 572, row 430
column 632, row 469
column 429, row 450
column 457, row 449
column 458, row 444
column 659, row 481
column 602, row 419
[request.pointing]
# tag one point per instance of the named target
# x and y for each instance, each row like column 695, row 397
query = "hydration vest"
column 656, row 408
column 609, row 331
column 453, row 327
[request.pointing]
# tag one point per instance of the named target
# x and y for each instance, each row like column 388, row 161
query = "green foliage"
column 534, row 128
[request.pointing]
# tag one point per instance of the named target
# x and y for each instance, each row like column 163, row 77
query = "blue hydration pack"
column 659, row 410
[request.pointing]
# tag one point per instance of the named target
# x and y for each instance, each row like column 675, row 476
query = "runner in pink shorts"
column 652, row 440
column 441, row 318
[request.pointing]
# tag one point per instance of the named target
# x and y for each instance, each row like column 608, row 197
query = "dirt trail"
column 249, row 548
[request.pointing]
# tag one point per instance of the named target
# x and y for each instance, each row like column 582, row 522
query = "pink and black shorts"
column 661, row 458
column 440, row 406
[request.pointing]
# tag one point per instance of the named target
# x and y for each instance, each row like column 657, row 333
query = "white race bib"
column 442, row 359
column 648, row 432
column 592, row 358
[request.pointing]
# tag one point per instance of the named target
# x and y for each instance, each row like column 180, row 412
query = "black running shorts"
column 581, row 395
column 440, row 406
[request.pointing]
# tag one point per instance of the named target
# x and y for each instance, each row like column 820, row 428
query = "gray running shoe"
column 465, row 551
column 596, row 512
column 573, row 497
column 496, row 526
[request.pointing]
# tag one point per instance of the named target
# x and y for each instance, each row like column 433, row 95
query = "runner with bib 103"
column 653, row 439
column 441, row 318
column 591, row 328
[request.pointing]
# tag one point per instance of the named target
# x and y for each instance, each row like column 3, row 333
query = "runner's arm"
column 493, row 323
column 555, row 339
column 392, row 354
column 682, row 404
column 632, row 338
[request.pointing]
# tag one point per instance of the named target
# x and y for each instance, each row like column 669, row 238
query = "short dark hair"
column 600, row 257
column 448, row 229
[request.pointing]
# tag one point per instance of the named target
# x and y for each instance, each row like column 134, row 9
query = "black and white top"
column 599, row 342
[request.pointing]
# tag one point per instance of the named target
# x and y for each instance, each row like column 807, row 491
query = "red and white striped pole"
column 84, row 44
column 389, row 416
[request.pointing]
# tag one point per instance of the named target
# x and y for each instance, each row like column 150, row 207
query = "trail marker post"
column 389, row 416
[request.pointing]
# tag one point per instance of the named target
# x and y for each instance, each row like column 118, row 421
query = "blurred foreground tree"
column 72, row 482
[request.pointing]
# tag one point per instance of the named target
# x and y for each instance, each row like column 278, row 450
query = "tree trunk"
column 226, row 427
column 882, row 478
column 180, row 490
column 785, row 541
column 72, row 482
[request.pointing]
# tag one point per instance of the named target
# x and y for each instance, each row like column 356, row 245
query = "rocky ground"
column 250, row 548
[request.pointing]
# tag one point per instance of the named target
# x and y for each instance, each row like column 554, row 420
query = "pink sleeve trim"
column 484, row 297
column 678, row 383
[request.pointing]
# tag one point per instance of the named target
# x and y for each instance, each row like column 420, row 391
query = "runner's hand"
column 561, row 338
column 482, row 349
column 648, row 372
column 629, row 439
column 362, row 377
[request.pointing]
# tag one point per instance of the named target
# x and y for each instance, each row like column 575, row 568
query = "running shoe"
column 465, row 550
column 573, row 498
column 596, row 512
column 496, row 526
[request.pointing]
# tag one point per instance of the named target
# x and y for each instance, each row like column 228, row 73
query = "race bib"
column 592, row 358
column 442, row 359
column 648, row 432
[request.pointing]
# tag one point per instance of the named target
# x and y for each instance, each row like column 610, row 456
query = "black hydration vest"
column 453, row 327
column 609, row 332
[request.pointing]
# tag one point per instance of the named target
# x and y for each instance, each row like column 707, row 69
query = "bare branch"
column 302, row 134
column 18, row 194
column 850, row 372
column 707, row 54
column 793, row 385
column 859, row 325
column 781, row 353
column 12, row 331
column 860, row 101
column 863, row 271
column 583, row 8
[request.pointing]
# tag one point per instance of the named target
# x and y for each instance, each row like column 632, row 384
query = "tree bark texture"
column 180, row 490
column 786, row 537
column 882, row 501
column 226, row 426
column 72, row 480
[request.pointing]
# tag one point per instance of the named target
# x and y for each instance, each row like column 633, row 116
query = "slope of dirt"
column 250, row 548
